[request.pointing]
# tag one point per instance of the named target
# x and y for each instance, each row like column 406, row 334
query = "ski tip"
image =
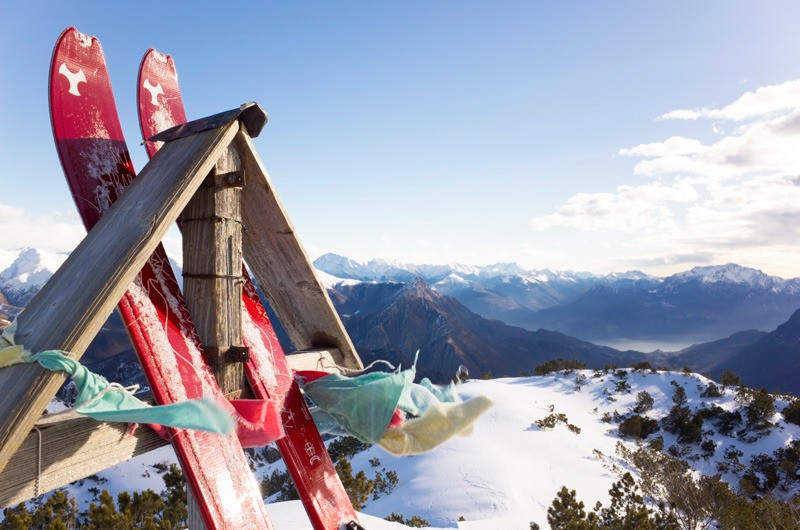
column 155, row 61
column 158, row 56
column 82, row 39
column 154, row 55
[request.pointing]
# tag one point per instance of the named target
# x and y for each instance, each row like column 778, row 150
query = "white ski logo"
column 73, row 78
column 154, row 91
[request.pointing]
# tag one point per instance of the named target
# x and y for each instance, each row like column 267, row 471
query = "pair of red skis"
column 98, row 167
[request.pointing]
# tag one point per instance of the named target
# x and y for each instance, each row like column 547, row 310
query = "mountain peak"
column 342, row 267
column 728, row 273
column 23, row 272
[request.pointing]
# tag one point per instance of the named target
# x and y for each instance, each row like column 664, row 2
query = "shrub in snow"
column 415, row 521
column 384, row 484
column 711, row 391
column 279, row 482
column 566, row 512
column 558, row 365
column 358, row 487
column 678, row 394
column 623, row 387
column 656, row 444
column 644, row 402
column 638, row 426
column 792, row 412
column 346, row 447
column 760, row 409
column 552, row 419
column 724, row 420
column 627, row 510
column 728, row 378
column 642, row 366
column 688, row 426
column 709, row 448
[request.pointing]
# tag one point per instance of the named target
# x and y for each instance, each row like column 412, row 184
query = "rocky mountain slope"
column 393, row 320
column 702, row 304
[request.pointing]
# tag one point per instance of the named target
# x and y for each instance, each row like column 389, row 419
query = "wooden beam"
column 282, row 268
column 72, row 447
column 70, row 309
column 322, row 360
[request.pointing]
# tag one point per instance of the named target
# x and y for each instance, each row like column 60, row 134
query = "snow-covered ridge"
column 26, row 271
column 377, row 269
column 23, row 272
column 380, row 269
column 329, row 280
column 735, row 274
column 507, row 472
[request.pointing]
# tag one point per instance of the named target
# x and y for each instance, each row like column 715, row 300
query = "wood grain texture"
column 212, row 269
column 282, row 268
column 72, row 447
column 70, row 309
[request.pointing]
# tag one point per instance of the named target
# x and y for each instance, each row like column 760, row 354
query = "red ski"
column 322, row 493
column 98, row 167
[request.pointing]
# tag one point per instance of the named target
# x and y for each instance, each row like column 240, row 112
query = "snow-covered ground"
column 507, row 472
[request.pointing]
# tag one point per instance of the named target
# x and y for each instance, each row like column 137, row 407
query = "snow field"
column 507, row 472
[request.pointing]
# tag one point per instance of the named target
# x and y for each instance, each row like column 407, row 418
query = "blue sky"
column 477, row 132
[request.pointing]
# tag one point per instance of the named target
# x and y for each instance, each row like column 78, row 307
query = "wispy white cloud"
column 763, row 102
column 764, row 145
column 629, row 209
column 59, row 232
column 675, row 146
column 734, row 199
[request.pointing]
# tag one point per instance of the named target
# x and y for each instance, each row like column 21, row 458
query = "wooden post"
column 212, row 270
column 212, row 278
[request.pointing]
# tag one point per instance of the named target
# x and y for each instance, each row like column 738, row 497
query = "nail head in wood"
column 232, row 179
column 234, row 354
column 238, row 354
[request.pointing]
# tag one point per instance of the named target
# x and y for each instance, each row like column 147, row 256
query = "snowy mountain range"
column 704, row 303
column 390, row 311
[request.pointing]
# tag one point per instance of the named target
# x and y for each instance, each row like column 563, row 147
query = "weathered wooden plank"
column 282, row 268
column 70, row 309
column 72, row 447
column 212, row 269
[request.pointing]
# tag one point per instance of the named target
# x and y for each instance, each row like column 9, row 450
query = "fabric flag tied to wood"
column 104, row 401
column 372, row 407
